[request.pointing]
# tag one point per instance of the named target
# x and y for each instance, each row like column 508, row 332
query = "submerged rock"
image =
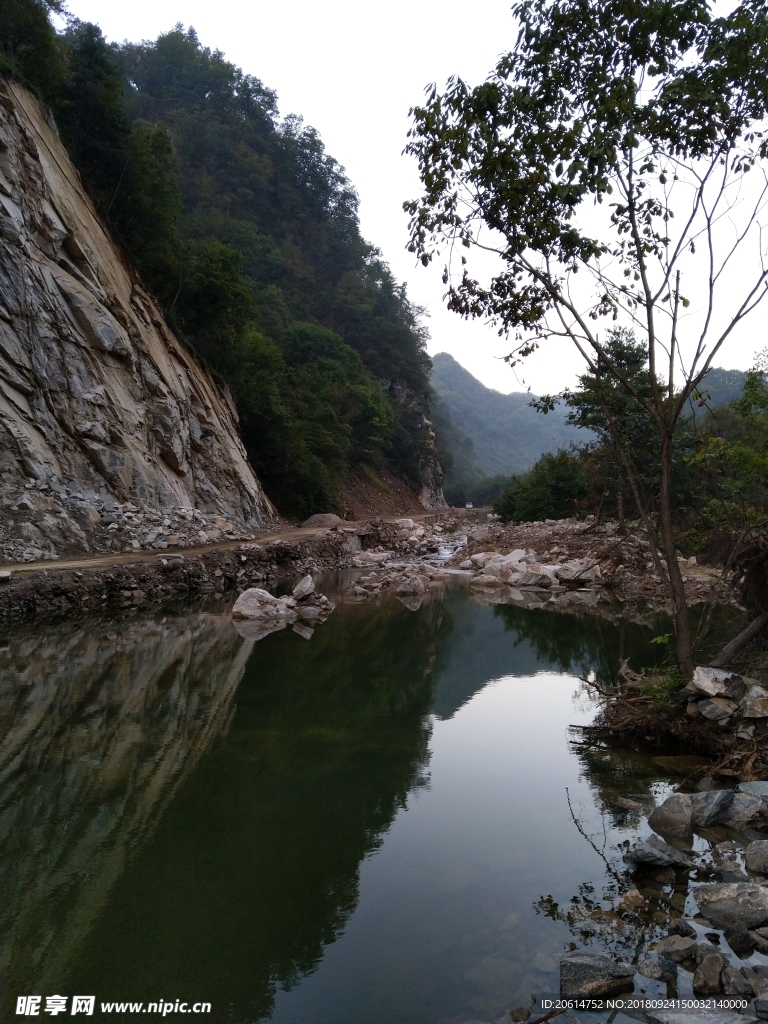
column 677, row 948
column 585, row 974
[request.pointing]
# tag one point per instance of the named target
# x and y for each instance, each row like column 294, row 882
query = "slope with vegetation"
column 247, row 233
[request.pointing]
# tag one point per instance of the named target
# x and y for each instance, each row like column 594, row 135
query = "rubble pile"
column 623, row 560
column 37, row 526
column 732, row 701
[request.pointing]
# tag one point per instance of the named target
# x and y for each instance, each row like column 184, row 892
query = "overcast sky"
column 353, row 70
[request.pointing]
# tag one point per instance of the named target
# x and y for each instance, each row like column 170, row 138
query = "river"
column 389, row 822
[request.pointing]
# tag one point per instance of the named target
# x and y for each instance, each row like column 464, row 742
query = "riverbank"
column 606, row 566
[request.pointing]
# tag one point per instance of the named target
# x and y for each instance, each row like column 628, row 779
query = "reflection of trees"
column 254, row 869
column 584, row 643
column 98, row 732
column 580, row 643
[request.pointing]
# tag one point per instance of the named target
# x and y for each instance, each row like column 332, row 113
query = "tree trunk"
column 683, row 651
column 620, row 502
column 741, row 640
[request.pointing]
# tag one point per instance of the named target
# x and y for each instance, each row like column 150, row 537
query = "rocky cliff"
column 101, row 406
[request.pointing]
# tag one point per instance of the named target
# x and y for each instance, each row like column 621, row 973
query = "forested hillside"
column 506, row 434
column 486, row 437
column 246, row 230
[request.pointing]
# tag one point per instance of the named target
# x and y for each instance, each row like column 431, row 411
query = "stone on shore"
column 585, row 974
column 733, row 905
column 304, row 588
column 756, row 856
column 673, row 817
column 707, row 977
column 717, row 682
column 698, row 1017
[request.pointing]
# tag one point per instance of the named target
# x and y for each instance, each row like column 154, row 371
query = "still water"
column 389, row 822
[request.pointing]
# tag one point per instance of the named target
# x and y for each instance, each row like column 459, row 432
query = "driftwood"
column 740, row 640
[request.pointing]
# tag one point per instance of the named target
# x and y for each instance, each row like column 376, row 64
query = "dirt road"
column 292, row 533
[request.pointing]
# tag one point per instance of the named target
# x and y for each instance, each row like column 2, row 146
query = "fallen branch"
column 740, row 640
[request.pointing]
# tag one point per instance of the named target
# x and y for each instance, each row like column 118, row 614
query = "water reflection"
column 101, row 723
column 145, row 860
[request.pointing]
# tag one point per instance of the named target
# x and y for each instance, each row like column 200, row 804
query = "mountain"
column 497, row 434
column 99, row 400
column 722, row 386
column 490, row 434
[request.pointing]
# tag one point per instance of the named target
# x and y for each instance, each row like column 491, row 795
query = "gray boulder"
column 656, row 852
column 717, row 682
column 755, row 704
column 673, row 817
column 717, row 709
column 753, row 788
column 710, row 808
column 260, row 604
column 706, row 979
column 584, row 974
column 735, row 983
column 747, row 811
column 304, row 588
column 677, row 948
column 756, row 856
column 698, row 1017
column 733, row 904
column 413, row 586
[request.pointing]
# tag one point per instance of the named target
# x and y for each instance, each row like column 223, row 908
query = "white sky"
column 353, row 70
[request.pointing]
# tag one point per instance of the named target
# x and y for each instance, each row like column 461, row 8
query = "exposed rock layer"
column 98, row 398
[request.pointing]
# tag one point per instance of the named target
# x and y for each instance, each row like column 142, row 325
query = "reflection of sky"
column 445, row 922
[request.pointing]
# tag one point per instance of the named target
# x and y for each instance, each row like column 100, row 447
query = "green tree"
column 602, row 405
column 29, row 47
column 552, row 489
column 600, row 161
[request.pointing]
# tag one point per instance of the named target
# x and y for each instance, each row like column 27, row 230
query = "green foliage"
column 29, row 47
column 553, row 489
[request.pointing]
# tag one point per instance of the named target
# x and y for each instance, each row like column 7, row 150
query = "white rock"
column 256, row 603
column 304, row 588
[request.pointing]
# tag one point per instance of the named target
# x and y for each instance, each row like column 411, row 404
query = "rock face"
column 98, row 398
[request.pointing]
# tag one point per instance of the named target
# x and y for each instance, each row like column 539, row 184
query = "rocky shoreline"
column 563, row 563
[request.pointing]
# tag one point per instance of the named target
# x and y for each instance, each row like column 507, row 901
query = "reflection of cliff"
column 98, row 732
column 254, row 868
